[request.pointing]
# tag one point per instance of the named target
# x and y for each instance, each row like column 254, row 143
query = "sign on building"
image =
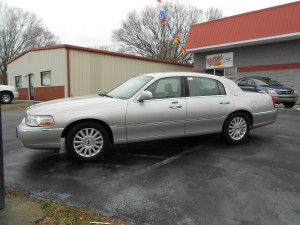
column 221, row 60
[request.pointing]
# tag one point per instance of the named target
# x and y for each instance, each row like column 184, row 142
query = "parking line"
column 141, row 155
column 171, row 159
column 103, row 165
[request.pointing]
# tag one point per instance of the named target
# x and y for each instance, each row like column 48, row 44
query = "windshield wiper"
column 106, row 95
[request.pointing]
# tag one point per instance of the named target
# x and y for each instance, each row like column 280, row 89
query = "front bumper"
column 39, row 137
column 285, row 98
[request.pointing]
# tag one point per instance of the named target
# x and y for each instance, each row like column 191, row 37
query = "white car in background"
column 8, row 93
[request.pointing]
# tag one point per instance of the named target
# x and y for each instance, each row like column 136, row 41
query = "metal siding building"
column 75, row 71
column 259, row 43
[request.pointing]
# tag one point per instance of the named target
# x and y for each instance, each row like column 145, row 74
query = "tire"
column 6, row 97
column 236, row 128
column 86, row 141
column 289, row 104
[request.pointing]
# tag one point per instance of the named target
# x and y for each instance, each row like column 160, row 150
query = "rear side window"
column 251, row 83
column 199, row 86
column 243, row 83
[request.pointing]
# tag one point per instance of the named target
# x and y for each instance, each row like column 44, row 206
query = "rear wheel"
column 236, row 128
column 86, row 141
column 6, row 97
column 289, row 104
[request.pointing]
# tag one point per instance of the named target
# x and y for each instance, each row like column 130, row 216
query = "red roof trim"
column 73, row 47
column 245, row 14
column 263, row 23
column 286, row 66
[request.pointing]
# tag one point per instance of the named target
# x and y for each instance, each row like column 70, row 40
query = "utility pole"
column 2, row 194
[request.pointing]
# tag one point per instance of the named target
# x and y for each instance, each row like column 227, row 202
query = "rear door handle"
column 175, row 105
column 224, row 102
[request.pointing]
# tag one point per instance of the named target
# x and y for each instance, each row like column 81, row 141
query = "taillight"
column 273, row 100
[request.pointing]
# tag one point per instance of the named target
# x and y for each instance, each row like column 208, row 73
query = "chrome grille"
column 286, row 92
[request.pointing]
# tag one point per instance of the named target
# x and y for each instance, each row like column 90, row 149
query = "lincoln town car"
column 146, row 107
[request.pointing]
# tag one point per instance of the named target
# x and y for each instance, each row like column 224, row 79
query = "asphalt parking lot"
column 189, row 181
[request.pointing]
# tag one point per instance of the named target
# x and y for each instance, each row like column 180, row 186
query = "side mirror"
column 145, row 95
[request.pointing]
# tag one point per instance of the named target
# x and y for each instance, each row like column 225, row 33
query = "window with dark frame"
column 166, row 88
column 18, row 81
column 199, row 86
column 46, row 78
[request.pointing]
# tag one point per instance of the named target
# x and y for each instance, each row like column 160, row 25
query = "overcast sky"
column 90, row 23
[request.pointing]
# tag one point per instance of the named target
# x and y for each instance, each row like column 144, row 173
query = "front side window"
column 18, row 81
column 199, row 86
column 166, row 88
column 268, row 82
column 46, row 78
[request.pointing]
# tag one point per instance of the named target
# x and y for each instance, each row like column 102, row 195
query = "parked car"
column 285, row 95
column 146, row 107
column 8, row 93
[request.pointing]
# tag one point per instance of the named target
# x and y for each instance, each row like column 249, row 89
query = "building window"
column 46, row 78
column 228, row 72
column 18, row 81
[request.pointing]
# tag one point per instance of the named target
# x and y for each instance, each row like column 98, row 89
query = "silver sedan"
column 146, row 107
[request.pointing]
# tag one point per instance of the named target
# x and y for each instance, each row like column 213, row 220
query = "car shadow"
column 132, row 157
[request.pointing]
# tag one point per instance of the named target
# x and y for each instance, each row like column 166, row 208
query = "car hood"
column 73, row 104
column 278, row 88
column 7, row 87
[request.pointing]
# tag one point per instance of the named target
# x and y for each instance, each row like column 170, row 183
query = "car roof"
column 185, row 74
column 258, row 78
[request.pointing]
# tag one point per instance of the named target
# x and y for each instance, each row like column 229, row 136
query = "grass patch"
column 63, row 214
column 13, row 108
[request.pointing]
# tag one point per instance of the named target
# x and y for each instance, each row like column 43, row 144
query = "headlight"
column 272, row 92
column 295, row 92
column 39, row 121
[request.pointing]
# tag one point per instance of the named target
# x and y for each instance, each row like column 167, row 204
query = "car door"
column 208, row 104
column 163, row 116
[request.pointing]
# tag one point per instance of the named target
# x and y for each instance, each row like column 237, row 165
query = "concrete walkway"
column 20, row 211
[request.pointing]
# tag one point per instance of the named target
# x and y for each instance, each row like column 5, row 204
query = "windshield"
column 268, row 82
column 130, row 87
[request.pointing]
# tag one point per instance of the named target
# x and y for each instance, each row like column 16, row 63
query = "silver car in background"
column 146, row 107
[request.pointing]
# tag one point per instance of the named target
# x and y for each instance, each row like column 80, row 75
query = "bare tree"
column 213, row 14
column 19, row 31
column 143, row 33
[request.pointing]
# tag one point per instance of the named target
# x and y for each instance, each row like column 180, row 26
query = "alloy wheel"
column 88, row 142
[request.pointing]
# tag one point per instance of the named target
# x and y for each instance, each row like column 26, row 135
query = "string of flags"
column 164, row 20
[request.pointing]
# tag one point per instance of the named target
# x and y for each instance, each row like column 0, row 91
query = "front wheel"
column 289, row 104
column 236, row 128
column 86, row 141
column 6, row 97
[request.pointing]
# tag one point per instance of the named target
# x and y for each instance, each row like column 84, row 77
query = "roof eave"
column 250, row 42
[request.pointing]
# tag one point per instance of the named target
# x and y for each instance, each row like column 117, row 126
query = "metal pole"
column 2, row 194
